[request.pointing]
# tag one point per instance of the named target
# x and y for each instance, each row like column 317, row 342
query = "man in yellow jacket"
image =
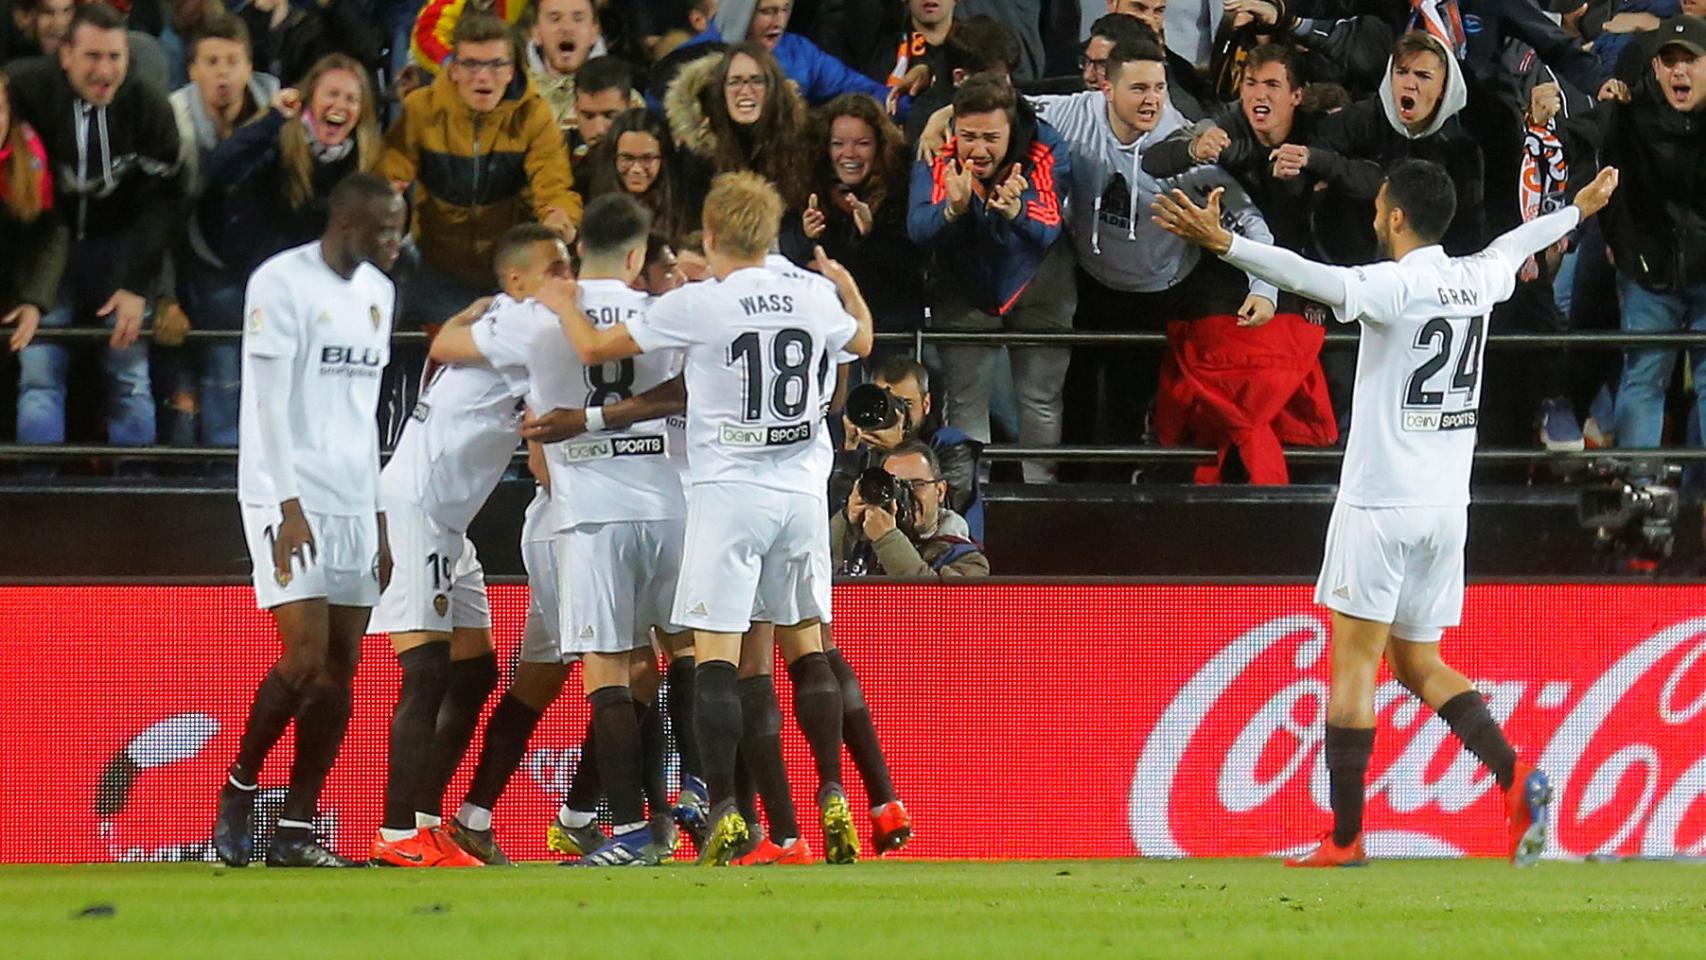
column 483, row 153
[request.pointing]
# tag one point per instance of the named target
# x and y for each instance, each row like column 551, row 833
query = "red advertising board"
column 1020, row 721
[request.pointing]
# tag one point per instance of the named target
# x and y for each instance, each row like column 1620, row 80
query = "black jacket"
column 120, row 177
column 1487, row 24
column 1287, row 205
column 1655, row 224
column 1352, row 149
column 887, row 266
column 245, row 212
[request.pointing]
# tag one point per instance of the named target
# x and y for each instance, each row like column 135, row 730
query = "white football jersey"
column 337, row 333
column 1418, row 383
column 614, row 475
column 465, row 427
column 759, row 350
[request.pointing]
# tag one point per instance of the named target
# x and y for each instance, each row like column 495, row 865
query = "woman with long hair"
column 35, row 240
column 269, row 182
column 738, row 112
column 638, row 158
column 856, row 208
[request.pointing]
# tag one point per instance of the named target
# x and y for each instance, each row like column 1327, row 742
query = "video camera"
column 871, row 407
column 1634, row 511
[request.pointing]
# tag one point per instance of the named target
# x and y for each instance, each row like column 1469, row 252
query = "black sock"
column 275, row 704
column 861, row 734
column 471, row 682
column 817, row 709
column 746, row 794
column 651, row 757
column 1348, row 749
column 617, row 753
column 1469, row 718
column 716, row 724
column 426, row 676
column 679, row 694
column 586, row 786
column 320, row 727
column 507, row 732
column 761, row 749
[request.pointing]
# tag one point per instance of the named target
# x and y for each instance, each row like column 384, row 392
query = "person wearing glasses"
column 483, row 153
column 637, row 157
column 871, row 539
column 739, row 112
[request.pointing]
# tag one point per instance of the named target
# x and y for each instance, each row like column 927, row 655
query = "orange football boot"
column 1330, row 854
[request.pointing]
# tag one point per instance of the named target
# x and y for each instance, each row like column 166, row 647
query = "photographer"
column 895, row 407
column 896, row 524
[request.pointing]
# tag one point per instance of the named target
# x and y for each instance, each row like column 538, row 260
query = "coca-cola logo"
column 1233, row 764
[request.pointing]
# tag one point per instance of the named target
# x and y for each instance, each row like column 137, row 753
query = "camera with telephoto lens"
column 880, row 488
column 870, row 407
column 1634, row 510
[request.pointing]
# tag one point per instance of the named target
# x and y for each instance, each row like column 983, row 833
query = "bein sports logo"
column 1234, row 766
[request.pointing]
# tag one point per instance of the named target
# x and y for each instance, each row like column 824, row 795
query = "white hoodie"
column 1134, row 254
column 1456, row 94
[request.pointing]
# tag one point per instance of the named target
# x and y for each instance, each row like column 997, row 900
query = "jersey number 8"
column 609, row 382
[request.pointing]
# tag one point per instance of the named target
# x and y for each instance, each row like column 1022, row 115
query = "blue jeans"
column 42, row 365
column 214, row 301
column 1647, row 373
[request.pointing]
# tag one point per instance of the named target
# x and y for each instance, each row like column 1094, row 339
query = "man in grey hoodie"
column 1414, row 116
column 1131, row 273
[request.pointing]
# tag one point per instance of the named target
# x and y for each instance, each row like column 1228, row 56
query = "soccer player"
column 527, row 255
column 454, row 448
column 759, row 347
column 1393, row 573
column 317, row 335
column 620, row 509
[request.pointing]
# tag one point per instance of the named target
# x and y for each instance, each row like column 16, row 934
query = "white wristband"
column 594, row 419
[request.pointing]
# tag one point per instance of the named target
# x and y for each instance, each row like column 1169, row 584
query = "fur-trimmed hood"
column 683, row 105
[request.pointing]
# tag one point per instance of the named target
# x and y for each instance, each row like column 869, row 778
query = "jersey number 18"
column 791, row 358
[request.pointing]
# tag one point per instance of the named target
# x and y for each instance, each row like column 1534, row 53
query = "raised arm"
column 1176, row 214
column 851, row 300
column 1524, row 241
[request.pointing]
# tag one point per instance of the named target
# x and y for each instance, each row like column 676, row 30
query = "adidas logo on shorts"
column 586, row 632
column 1343, row 593
column 698, row 610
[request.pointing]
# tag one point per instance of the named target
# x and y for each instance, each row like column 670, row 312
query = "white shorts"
column 343, row 568
column 753, row 553
column 437, row 583
column 1396, row 565
column 623, row 583
column 540, row 637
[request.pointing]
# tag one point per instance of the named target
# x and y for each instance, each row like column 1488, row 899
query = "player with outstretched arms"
column 760, row 348
column 316, row 338
column 1393, row 572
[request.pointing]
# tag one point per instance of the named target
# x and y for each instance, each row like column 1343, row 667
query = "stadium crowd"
column 978, row 165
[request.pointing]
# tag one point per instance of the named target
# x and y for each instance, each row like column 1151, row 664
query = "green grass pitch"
column 1437, row 910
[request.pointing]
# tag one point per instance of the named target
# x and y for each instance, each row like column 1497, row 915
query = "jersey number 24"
column 1436, row 334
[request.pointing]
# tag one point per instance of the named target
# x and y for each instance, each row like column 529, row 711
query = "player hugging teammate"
column 701, row 538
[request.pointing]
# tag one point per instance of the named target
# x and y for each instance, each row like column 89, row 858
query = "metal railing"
column 1598, row 339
